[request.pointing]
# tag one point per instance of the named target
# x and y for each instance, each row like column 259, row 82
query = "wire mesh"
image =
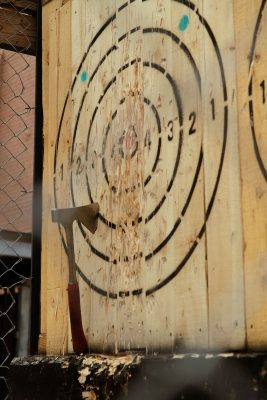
column 17, row 83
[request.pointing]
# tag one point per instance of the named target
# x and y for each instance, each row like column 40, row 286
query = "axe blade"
column 87, row 215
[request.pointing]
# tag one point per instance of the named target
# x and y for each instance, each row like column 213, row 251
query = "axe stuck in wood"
column 88, row 216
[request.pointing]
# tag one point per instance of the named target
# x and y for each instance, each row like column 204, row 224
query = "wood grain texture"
column 145, row 114
column 220, row 147
column 57, row 60
column 251, row 70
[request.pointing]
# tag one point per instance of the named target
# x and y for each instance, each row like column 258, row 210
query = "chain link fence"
column 17, row 108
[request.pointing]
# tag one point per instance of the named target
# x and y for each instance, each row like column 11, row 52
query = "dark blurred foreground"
column 205, row 376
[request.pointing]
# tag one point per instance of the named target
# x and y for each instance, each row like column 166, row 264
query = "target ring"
column 158, row 123
column 175, row 123
column 179, row 110
column 257, row 91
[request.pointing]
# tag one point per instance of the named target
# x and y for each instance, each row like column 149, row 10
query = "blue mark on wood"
column 184, row 22
column 84, row 76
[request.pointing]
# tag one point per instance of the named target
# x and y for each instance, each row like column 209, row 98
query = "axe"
column 87, row 215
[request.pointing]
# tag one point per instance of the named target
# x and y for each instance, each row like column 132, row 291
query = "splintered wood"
column 158, row 112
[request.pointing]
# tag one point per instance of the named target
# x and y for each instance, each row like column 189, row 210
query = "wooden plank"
column 191, row 300
column 221, row 165
column 45, row 103
column 79, row 43
column 17, row 30
column 176, row 315
column 55, row 262
column 46, row 178
column 129, row 240
column 54, row 319
column 251, row 27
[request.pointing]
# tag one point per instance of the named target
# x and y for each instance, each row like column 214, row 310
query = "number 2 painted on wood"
column 192, row 117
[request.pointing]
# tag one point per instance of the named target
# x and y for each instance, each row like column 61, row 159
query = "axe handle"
column 78, row 339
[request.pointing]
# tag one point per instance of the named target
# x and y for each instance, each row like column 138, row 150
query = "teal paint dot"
column 84, row 76
column 184, row 22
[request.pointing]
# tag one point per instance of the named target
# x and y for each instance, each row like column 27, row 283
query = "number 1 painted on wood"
column 212, row 102
column 262, row 85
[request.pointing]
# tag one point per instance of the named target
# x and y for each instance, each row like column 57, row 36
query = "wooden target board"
column 140, row 115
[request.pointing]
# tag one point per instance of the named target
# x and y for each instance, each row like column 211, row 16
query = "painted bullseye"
column 147, row 142
column 100, row 148
column 178, row 102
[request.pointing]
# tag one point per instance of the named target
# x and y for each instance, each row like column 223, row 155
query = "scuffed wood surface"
column 56, row 74
column 142, row 108
column 224, row 227
column 251, row 17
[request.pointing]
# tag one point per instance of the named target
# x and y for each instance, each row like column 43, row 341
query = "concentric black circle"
column 107, row 130
column 179, row 105
column 180, row 113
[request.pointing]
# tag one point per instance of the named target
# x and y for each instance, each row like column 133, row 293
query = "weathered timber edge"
column 191, row 376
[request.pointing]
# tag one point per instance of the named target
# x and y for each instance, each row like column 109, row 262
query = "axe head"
column 87, row 215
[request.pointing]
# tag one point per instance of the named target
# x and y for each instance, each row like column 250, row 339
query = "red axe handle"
column 78, row 339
